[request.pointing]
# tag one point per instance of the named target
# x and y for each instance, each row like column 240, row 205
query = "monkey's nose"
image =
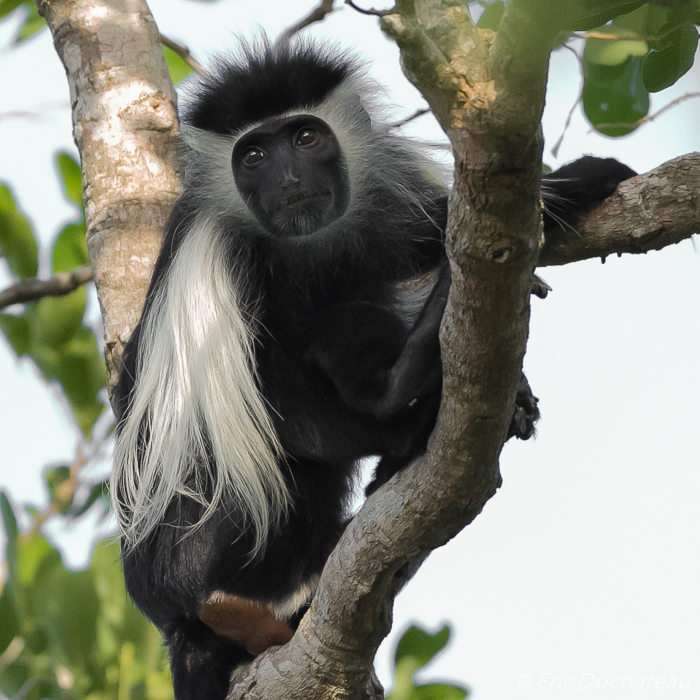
column 288, row 179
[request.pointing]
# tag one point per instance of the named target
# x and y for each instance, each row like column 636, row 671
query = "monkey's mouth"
column 303, row 213
column 303, row 198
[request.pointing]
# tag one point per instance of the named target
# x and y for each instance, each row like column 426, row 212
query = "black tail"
column 202, row 662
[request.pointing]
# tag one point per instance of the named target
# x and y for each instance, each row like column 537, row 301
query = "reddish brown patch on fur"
column 246, row 622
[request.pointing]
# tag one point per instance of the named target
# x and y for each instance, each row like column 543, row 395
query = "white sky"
column 583, row 571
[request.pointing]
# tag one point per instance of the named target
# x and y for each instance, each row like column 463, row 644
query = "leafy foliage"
column 648, row 50
column 415, row 650
column 33, row 21
column 673, row 59
column 73, row 634
column 51, row 330
column 614, row 98
column 17, row 243
column 68, row 635
column 630, row 51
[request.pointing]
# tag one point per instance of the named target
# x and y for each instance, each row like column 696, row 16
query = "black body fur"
column 343, row 372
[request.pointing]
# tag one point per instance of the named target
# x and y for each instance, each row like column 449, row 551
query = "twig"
column 560, row 140
column 19, row 114
column 672, row 103
column 183, row 52
column 32, row 289
column 376, row 13
column 29, row 114
column 651, row 117
column 612, row 37
column 410, row 118
column 318, row 14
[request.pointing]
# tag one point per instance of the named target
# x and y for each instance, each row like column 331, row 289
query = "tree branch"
column 371, row 12
column 648, row 212
column 411, row 117
column 318, row 14
column 183, row 52
column 125, row 127
column 32, row 289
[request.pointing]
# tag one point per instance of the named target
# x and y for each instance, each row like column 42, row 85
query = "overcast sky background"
column 581, row 578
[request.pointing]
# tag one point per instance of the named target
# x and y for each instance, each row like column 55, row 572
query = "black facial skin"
column 291, row 173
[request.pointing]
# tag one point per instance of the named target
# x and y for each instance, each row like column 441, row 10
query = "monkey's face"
column 292, row 175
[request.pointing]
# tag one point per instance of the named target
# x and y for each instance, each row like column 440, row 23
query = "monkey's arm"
column 375, row 364
column 314, row 422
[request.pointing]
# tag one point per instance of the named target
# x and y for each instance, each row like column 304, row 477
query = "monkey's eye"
column 253, row 156
column 306, row 137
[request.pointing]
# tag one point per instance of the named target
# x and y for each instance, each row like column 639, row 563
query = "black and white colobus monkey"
column 279, row 344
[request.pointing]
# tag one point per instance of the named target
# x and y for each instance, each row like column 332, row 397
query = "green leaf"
column 416, row 649
column 613, row 53
column 70, row 249
column 645, row 21
column 614, row 97
column 177, row 66
column 9, row 620
column 35, row 555
column 8, row 6
column 67, row 606
column 17, row 330
column 585, row 22
column 54, row 322
column 662, row 68
column 71, row 178
column 32, row 24
column 421, row 646
column 438, row 691
column 17, row 241
column 81, row 372
column 8, row 519
column 491, row 18
column 64, row 350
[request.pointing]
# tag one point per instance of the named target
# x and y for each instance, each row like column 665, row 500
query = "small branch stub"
column 59, row 285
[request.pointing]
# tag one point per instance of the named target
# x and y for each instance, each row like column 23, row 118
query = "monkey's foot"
column 539, row 287
column 526, row 413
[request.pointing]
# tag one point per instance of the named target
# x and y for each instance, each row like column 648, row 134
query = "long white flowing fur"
column 196, row 391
